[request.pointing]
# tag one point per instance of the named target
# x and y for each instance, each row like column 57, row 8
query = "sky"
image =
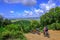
column 26, row 8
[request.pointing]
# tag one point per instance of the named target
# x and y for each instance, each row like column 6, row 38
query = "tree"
column 1, row 20
column 53, row 16
column 6, row 22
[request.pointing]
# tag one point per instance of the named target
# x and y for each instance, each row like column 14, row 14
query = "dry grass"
column 54, row 35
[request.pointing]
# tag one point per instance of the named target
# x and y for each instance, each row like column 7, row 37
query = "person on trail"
column 45, row 31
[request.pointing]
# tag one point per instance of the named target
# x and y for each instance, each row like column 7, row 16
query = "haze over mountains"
column 34, row 18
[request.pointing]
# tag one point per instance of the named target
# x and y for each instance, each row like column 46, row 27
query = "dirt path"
column 54, row 35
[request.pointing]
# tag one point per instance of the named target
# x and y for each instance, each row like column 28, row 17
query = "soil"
column 54, row 35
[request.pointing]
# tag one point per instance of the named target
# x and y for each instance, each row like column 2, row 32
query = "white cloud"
column 11, row 11
column 27, row 13
column 25, row 2
column 50, row 1
column 38, row 11
column 31, row 13
column 29, row 2
column 47, row 6
column 34, row 12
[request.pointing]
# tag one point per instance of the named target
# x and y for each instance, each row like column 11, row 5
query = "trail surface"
column 54, row 35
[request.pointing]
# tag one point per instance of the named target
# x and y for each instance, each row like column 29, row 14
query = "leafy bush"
column 13, row 34
column 6, row 22
column 27, row 25
column 1, row 21
column 54, row 26
column 52, row 19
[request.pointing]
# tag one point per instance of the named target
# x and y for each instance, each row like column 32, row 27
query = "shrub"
column 13, row 34
column 54, row 26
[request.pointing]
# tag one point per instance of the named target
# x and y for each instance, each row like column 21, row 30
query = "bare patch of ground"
column 54, row 35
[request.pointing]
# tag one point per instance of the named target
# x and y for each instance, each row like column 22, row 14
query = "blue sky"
column 26, row 8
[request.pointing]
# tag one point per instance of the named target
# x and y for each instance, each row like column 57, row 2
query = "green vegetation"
column 16, row 29
column 11, row 31
column 51, row 18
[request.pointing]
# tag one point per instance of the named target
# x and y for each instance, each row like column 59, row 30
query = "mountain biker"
column 45, row 30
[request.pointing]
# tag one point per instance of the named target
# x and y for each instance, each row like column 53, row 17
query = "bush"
column 12, row 27
column 54, row 26
column 13, row 34
column 16, row 29
column 6, row 22
column 57, row 26
column 27, row 25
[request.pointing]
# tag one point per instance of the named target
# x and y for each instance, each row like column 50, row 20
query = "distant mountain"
column 31, row 18
column 27, row 18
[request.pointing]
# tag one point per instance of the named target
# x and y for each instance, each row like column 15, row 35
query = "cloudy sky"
column 26, row 8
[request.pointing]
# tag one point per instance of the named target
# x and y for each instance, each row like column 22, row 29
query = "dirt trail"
column 54, row 35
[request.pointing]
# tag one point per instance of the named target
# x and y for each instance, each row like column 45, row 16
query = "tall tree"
column 1, row 20
column 51, row 17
